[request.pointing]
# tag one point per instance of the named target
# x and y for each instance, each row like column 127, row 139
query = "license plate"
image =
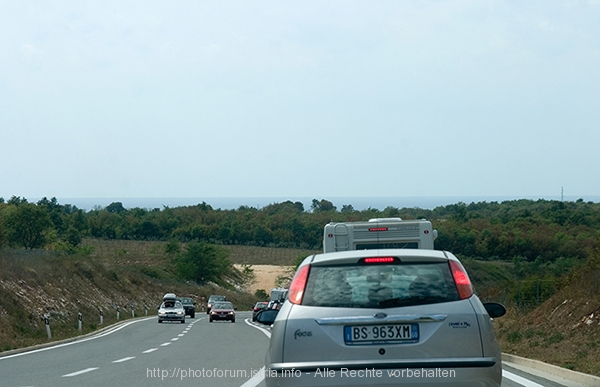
column 381, row 334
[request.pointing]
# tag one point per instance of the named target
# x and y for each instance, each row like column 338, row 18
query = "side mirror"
column 267, row 316
column 494, row 309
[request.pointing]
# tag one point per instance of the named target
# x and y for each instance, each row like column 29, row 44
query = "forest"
column 518, row 250
column 526, row 230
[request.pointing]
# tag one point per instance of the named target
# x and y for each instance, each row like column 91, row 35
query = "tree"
column 73, row 237
column 26, row 225
column 116, row 207
column 347, row 208
column 322, row 206
column 202, row 262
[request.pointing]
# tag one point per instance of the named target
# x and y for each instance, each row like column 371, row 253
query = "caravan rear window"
column 376, row 246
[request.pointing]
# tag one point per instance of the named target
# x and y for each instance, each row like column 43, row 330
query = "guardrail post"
column 47, row 323
column 79, row 321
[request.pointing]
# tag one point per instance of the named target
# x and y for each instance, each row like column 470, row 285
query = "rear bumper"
column 481, row 372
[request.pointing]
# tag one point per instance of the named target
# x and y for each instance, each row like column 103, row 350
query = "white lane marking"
column 165, row 344
column 260, row 375
column 80, row 372
column 150, row 350
column 180, row 335
column 124, row 359
column 518, row 379
column 175, row 339
column 263, row 330
column 256, row 379
column 112, row 330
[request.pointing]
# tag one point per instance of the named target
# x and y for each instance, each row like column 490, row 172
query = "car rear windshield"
column 380, row 286
column 223, row 305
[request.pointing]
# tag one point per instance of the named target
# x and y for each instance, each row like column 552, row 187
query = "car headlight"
column 179, row 312
column 230, row 312
column 162, row 314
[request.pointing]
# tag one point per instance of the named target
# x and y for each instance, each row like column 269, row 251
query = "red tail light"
column 298, row 284
column 461, row 279
column 379, row 260
column 377, row 229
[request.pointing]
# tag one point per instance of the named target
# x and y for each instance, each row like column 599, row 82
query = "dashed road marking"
column 80, row 372
column 124, row 359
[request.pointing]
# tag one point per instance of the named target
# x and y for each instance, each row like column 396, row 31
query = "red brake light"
column 461, row 279
column 375, row 229
column 298, row 284
column 380, row 260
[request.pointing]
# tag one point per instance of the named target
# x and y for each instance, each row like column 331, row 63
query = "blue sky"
column 299, row 99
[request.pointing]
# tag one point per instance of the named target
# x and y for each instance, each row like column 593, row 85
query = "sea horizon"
column 358, row 203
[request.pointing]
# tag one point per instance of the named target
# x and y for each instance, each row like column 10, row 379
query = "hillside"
column 561, row 329
column 564, row 330
column 126, row 275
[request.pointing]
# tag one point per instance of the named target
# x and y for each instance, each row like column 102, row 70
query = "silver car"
column 386, row 318
column 171, row 310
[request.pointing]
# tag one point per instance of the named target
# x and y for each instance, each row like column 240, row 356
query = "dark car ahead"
column 189, row 305
column 222, row 311
column 261, row 305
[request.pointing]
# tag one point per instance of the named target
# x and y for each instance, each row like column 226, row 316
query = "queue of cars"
column 175, row 308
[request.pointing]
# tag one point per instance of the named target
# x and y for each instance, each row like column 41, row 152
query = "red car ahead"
column 222, row 311
column 258, row 307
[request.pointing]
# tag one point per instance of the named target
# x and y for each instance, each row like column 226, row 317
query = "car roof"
column 405, row 255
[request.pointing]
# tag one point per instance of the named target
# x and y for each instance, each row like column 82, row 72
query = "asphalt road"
column 144, row 353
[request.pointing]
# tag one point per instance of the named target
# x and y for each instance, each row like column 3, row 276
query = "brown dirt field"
column 266, row 276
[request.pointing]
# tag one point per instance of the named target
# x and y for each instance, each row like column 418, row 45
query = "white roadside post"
column 132, row 311
column 79, row 321
column 47, row 323
column 101, row 317
column 118, row 311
